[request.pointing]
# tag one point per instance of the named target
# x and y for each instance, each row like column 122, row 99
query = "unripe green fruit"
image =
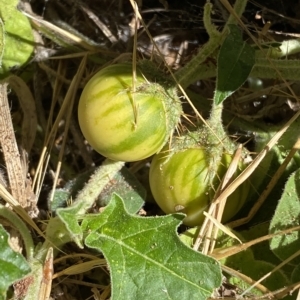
column 124, row 125
column 185, row 181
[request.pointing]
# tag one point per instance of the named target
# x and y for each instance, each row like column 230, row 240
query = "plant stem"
column 285, row 49
column 215, row 119
column 195, row 68
column 21, row 227
column 186, row 75
column 88, row 195
column 263, row 68
column 216, row 123
column 201, row 68
column 273, row 68
column 239, row 8
column 64, row 228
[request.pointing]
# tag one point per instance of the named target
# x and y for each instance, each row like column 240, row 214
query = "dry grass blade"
column 245, row 278
column 278, row 294
column 81, row 267
column 255, row 163
column 221, row 205
column 223, row 253
column 37, row 183
column 55, row 74
column 268, row 189
column 88, row 284
column 106, row 31
column 220, row 226
column 10, row 151
column 6, row 196
column 69, row 100
column 281, row 293
column 265, row 91
column 46, row 283
column 134, row 60
column 106, row 293
column 29, row 123
column 215, row 212
column 238, row 181
column 45, row 27
column 281, row 15
column 286, row 261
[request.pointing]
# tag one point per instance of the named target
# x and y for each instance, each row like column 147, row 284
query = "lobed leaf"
column 146, row 258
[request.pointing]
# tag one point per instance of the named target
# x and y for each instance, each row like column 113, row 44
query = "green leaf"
column 146, row 258
column 188, row 237
column 261, row 250
column 296, row 274
column 235, row 62
column 126, row 186
column 287, row 215
column 68, row 225
column 246, row 263
column 16, row 38
column 13, row 265
column 256, row 269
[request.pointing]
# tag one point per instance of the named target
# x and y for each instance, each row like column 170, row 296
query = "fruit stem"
column 215, row 120
column 216, row 124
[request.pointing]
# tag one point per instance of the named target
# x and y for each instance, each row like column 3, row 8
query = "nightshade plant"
column 144, row 256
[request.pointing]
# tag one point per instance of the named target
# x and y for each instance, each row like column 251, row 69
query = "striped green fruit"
column 124, row 125
column 185, row 181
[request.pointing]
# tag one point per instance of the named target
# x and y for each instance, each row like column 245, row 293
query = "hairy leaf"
column 287, row 215
column 235, row 62
column 146, row 258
